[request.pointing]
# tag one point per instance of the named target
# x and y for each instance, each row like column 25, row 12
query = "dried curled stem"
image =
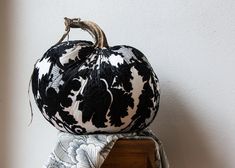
column 92, row 28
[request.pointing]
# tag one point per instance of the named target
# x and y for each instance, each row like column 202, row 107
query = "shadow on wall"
column 4, row 88
column 185, row 144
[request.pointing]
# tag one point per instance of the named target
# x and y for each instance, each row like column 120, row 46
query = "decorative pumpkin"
column 81, row 87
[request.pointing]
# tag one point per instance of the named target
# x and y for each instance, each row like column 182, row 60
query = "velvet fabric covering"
column 81, row 89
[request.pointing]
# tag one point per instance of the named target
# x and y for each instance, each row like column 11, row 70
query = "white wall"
column 190, row 44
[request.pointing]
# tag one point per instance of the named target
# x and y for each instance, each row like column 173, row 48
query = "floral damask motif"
column 81, row 89
column 82, row 153
column 54, row 163
column 87, row 151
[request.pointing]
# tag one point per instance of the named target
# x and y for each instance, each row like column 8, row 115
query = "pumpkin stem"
column 92, row 28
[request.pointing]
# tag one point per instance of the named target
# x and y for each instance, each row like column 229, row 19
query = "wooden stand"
column 130, row 153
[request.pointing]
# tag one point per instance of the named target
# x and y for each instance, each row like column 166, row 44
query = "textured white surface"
column 190, row 44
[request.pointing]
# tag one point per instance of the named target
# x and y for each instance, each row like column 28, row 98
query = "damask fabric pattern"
column 81, row 89
column 90, row 151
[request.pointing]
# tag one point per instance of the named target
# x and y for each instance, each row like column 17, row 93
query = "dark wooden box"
column 129, row 153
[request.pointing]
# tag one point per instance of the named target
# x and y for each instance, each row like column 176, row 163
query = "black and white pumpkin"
column 83, row 87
